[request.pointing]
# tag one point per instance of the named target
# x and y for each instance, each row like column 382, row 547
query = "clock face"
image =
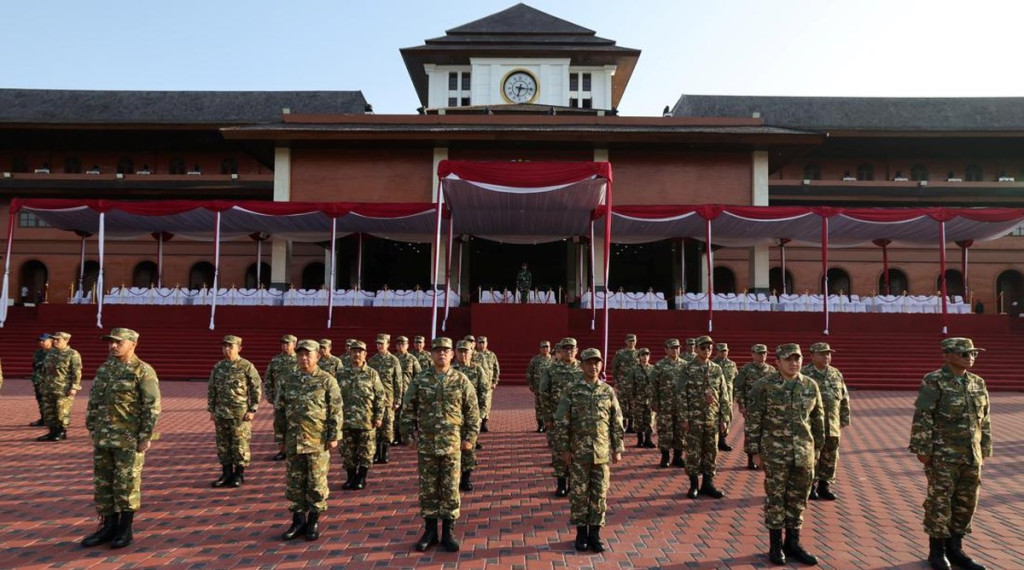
column 520, row 87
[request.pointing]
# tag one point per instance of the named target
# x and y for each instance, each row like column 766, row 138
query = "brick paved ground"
column 512, row 520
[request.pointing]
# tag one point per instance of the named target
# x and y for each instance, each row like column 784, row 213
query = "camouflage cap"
column 307, row 344
column 672, row 343
column 644, row 351
column 402, row 340
column 820, row 347
column 784, row 351
column 231, row 339
column 289, row 338
column 481, row 339
column 567, row 342
column 722, row 346
column 441, row 342
column 383, row 337
column 759, row 349
column 469, row 337
column 630, row 337
column 418, row 338
column 545, row 344
column 45, row 336
column 354, row 344
column 326, row 343
column 959, row 344
column 465, row 345
column 691, row 342
column 61, row 335
column 701, row 340
column 590, row 354
column 115, row 334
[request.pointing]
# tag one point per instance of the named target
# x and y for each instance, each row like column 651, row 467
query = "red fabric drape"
column 524, row 174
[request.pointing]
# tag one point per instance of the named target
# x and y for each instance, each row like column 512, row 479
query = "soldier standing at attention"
column 491, row 367
column 642, row 381
column 663, row 404
column 837, row 416
column 691, row 350
column 423, row 356
column 60, row 380
column 729, row 372
column 232, row 397
column 442, row 420
column 524, row 280
column 703, row 410
column 410, row 368
column 622, row 366
column 464, row 364
column 45, row 344
column 554, row 380
column 588, row 434
column 364, row 403
column 346, row 356
column 280, row 366
column 533, row 370
column 952, row 435
column 124, row 404
column 785, row 432
column 308, row 417
column 328, row 362
column 389, row 368
column 753, row 371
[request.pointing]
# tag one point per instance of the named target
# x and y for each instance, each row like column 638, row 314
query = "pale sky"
column 859, row 48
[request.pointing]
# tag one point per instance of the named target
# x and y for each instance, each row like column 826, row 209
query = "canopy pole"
column 259, row 259
column 607, row 259
column 81, row 266
column 216, row 272
column 824, row 269
column 99, row 276
column 447, row 276
column 7, row 268
column 782, row 255
column 458, row 283
column 942, row 275
column 593, row 289
column 437, row 259
column 682, row 265
column 885, row 267
column 711, row 273
column 330, row 285
column 963, row 271
column 359, row 263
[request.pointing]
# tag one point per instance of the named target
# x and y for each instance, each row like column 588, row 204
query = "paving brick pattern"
column 512, row 519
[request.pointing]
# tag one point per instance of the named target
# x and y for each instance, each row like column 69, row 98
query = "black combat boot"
column 708, row 487
column 108, row 526
column 123, row 534
column 376, row 453
column 594, row 539
column 580, row 544
column 694, row 487
column 313, row 526
column 225, row 476
column 49, row 436
column 677, row 458
column 447, row 540
column 360, row 483
column 384, row 453
column 238, row 479
column 775, row 553
column 629, row 425
column 563, row 487
column 825, row 491
column 814, row 492
column 723, row 445
column 956, row 556
column 61, row 435
column 648, row 444
column 298, row 525
column 750, row 462
column 279, row 457
column 483, row 426
column 794, row 550
column 429, row 537
column 540, row 427
column 465, row 484
column 640, row 439
column 937, row 553
column 664, row 458
column 350, row 481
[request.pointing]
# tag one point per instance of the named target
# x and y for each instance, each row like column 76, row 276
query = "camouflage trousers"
column 537, row 407
column 558, row 463
column 588, row 492
column 117, row 480
column 643, row 417
column 357, row 447
column 627, row 401
column 670, row 433
column 39, row 398
column 786, row 488
column 233, row 436
column 439, row 485
column 468, row 460
column 701, row 448
column 57, row 408
column 386, row 431
column 952, row 498
column 828, row 458
column 306, row 480
column 396, row 422
column 485, row 410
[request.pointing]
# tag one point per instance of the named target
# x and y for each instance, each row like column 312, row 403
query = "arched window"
column 898, row 283
column 125, row 165
column 229, row 166
column 973, row 173
column 89, row 275
column 145, row 274
column 954, row 283
column 176, row 166
column 775, row 281
column 72, row 165
column 919, row 173
column 865, row 172
column 201, row 275
column 250, row 276
column 812, row 172
column 1010, row 292
column 838, row 281
column 725, row 280
column 313, row 275
column 34, row 276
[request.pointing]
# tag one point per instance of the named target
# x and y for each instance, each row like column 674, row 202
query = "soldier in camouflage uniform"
column 533, row 370
column 124, row 404
column 60, row 379
column 346, row 356
column 364, row 398
column 691, row 350
column 588, row 434
column 233, row 395
column 477, row 377
column 423, row 356
column 952, row 435
column 328, row 362
column 389, row 368
column 704, row 409
column 280, row 366
column 729, row 371
column 554, row 380
column 308, row 416
column 642, row 382
column 442, row 420
column 489, row 362
column 785, row 432
column 753, row 371
column 663, row 404
column 837, row 416
column 622, row 366
column 45, row 344
column 524, row 280
column 410, row 368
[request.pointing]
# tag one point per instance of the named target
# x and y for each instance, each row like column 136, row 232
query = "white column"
column 442, row 259
column 759, row 263
column 280, row 248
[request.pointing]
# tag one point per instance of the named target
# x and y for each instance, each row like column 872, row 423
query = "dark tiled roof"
column 170, row 107
column 863, row 113
column 520, row 19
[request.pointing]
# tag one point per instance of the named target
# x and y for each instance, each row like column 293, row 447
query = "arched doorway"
column 89, row 276
column 145, row 274
column 313, row 275
column 775, row 281
column 838, row 282
column 725, row 280
column 954, row 283
column 898, row 283
column 1010, row 291
column 201, row 275
column 34, row 278
column 250, row 276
